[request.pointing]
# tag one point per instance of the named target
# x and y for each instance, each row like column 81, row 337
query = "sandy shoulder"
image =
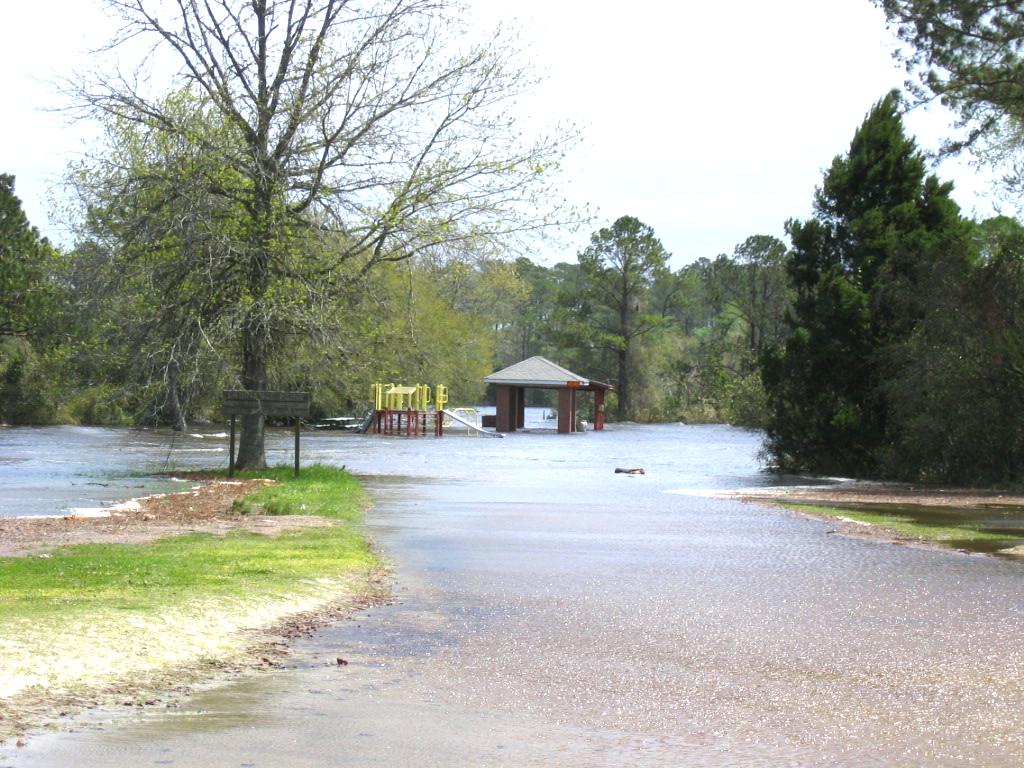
column 47, row 675
column 876, row 493
column 880, row 493
column 206, row 507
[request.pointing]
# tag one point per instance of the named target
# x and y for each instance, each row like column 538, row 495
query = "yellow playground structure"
column 402, row 410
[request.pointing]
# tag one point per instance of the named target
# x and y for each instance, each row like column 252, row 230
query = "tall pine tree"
column 618, row 272
column 860, row 270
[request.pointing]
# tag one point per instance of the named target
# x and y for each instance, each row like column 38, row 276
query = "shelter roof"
column 540, row 372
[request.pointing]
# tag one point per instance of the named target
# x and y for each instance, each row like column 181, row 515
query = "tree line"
column 91, row 338
column 325, row 200
column 885, row 340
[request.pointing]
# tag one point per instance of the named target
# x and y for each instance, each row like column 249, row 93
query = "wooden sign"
column 253, row 402
column 246, row 402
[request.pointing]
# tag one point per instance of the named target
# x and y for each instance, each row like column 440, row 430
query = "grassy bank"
column 970, row 529
column 96, row 616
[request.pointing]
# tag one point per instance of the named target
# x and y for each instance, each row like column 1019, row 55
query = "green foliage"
column 428, row 340
column 401, row 323
column 958, row 395
column 613, row 309
column 411, row 322
column 32, row 303
column 746, row 298
column 101, row 404
column 338, row 139
column 721, row 314
column 27, row 293
column 861, row 271
column 529, row 327
column 690, row 338
column 968, row 54
column 26, row 384
column 749, row 292
column 158, row 261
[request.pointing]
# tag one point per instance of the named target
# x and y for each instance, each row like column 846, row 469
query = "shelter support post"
column 566, row 411
column 598, row 409
column 505, row 417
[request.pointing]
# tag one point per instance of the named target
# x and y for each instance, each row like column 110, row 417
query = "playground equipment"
column 469, row 419
column 409, row 411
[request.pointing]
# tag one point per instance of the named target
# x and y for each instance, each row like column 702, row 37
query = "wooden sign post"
column 247, row 402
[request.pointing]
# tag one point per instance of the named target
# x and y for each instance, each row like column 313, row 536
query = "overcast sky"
column 709, row 121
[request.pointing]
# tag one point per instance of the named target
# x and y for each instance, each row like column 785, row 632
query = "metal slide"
column 469, row 425
column 367, row 423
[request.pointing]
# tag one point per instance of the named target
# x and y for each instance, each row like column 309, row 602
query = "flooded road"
column 551, row 612
column 55, row 470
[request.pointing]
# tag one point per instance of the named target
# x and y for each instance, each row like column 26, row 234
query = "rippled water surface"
column 551, row 612
column 49, row 470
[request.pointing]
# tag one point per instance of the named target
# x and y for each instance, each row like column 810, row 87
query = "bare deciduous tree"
column 362, row 124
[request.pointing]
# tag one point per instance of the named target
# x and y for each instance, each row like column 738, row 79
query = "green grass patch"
column 318, row 490
column 964, row 529
column 73, row 582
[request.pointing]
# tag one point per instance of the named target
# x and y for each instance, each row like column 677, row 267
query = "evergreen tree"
column 959, row 396
column 26, row 264
column 860, row 269
column 617, row 273
column 967, row 53
column 31, row 308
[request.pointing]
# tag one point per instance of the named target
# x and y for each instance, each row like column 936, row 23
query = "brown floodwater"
column 550, row 612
